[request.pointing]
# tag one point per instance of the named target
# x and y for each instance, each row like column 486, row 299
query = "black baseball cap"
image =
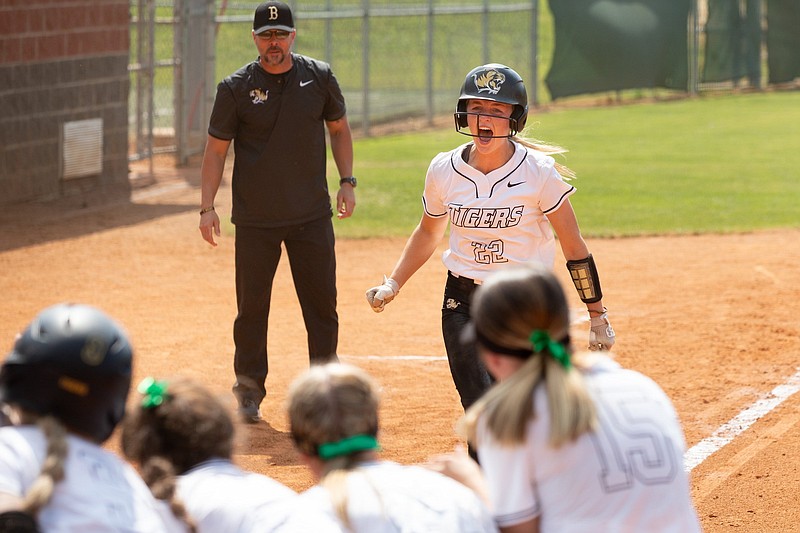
column 273, row 16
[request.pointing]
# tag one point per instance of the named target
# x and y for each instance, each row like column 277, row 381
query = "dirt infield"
column 712, row 318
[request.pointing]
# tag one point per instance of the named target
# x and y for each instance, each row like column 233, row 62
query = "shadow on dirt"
column 33, row 223
column 264, row 440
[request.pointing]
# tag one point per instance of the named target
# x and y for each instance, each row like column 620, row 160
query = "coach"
column 276, row 109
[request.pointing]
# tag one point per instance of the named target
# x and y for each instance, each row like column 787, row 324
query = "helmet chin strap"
column 470, row 134
column 464, row 130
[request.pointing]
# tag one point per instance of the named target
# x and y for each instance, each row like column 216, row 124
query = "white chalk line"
column 698, row 453
column 701, row 451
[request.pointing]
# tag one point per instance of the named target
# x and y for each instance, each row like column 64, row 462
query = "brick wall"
column 60, row 61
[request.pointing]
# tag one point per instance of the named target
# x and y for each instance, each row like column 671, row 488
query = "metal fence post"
column 534, row 85
column 694, row 49
column 429, row 71
column 365, row 66
column 485, row 22
column 150, row 77
column 328, row 32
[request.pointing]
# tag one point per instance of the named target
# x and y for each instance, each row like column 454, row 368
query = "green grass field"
column 717, row 163
column 709, row 164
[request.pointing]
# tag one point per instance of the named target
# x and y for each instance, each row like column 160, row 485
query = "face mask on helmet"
column 497, row 83
column 72, row 362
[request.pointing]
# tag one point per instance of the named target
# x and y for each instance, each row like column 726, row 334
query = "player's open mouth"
column 484, row 134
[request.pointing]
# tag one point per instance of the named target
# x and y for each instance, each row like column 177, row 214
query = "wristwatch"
column 350, row 179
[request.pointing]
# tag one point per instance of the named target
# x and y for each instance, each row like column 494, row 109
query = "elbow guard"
column 584, row 275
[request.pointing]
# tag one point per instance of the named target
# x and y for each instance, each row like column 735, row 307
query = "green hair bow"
column 154, row 392
column 540, row 340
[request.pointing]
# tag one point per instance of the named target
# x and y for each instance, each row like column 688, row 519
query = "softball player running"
column 333, row 414
column 64, row 387
column 567, row 442
column 501, row 194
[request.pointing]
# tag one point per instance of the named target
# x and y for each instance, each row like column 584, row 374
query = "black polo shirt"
column 277, row 124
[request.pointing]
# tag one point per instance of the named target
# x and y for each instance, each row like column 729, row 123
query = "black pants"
column 469, row 374
column 310, row 248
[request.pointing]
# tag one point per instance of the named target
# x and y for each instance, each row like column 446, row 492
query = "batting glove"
column 381, row 295
column 601, row 334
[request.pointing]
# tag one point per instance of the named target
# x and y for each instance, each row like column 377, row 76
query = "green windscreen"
column 783, row 40
column 608, row 45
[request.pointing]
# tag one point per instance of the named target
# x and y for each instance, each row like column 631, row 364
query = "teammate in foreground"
column 501, row 194
column 64, row 387
column 567, row 442
column 277, row 108
column 333, row 414
column 182, row 438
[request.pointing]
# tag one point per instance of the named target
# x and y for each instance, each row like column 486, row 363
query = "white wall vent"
column 82, row 148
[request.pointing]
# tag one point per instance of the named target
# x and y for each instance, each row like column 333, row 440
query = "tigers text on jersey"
column 499, row 218
column 627, row 476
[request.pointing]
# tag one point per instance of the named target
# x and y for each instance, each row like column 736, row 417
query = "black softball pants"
column 312, row 260
column 469, row 374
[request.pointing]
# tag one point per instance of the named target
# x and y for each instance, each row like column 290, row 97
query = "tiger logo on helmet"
column 489, row 81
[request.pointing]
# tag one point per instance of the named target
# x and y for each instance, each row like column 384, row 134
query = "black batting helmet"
column 497, row 83
column 72, row 362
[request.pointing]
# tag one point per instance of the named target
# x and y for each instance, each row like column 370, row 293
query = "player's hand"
column 345, row 201
column 381, row 295
column 601, row 334
column 209, row 226
column 458, row 465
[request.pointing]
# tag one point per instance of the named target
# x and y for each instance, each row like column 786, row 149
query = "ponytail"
column 549, row 149
column 508, row 406
column 52, row 472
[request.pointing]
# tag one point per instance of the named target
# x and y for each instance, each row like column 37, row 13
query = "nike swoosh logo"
column 515, row 184
column 304, row 83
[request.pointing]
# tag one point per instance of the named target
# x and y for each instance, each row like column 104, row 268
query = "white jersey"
column 221, row 497
column 496, row 219
column 385, row 497
column 626, row 477
column 99, row 492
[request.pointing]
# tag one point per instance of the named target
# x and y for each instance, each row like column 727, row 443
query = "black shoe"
column 249, row 412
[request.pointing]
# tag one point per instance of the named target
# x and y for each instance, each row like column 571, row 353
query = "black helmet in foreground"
column 497, row 83
column 72, row 362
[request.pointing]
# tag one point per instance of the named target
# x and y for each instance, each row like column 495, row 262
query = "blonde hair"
column 53, row 465
column 329, row 403
column 188, row 427
column 505, row 310
column 549, row 149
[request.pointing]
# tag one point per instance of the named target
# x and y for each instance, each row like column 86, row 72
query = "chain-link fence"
column 152, row 65
column 394, row 59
